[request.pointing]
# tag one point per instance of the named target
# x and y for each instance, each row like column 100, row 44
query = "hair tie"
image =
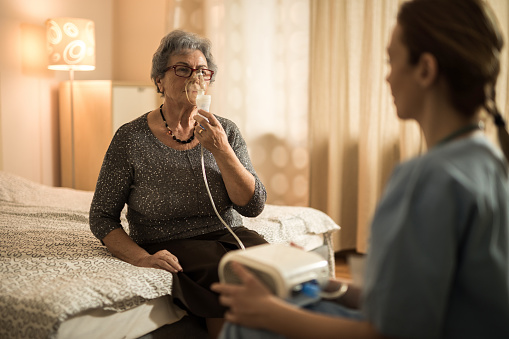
column 499, row 120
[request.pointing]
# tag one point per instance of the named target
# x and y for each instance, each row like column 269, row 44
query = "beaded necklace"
column 170, row 132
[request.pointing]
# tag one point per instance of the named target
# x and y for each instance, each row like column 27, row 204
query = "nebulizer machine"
column 289, row 273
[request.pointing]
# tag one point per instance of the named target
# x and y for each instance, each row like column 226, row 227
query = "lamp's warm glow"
column 71, row 44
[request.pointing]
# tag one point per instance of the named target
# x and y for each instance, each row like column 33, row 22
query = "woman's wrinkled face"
column 174, row 87
column 402, row 77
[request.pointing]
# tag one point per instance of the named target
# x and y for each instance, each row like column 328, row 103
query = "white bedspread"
column 52, row 267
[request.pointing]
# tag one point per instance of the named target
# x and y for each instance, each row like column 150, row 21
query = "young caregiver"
column 438, row 261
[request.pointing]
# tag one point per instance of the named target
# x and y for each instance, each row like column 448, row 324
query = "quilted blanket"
column 52, row 267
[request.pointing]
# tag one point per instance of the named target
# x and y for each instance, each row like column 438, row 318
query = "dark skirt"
column 199, row 257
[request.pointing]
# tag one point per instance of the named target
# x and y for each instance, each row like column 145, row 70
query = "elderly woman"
column 153, row 165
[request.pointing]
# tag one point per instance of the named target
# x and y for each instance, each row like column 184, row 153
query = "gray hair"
column 175, row 43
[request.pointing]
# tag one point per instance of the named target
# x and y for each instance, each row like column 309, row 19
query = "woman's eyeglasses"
column 186, row 71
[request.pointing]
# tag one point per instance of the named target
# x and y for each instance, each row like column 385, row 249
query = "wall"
column 137, row 30
column 28, row 91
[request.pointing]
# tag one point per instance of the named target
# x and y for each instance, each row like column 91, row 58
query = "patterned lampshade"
column 71, row 44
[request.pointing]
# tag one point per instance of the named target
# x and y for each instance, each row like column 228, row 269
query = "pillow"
column 15, row 189
column 284, row 224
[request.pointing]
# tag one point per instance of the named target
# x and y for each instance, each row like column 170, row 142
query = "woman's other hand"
column 163, row 260
column 124, row 248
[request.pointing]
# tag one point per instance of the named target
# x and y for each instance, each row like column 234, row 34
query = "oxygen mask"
column 195, row 83
column 202, row 100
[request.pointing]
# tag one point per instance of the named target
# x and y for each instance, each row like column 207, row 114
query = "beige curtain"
column 356, row 138
column 262, row 50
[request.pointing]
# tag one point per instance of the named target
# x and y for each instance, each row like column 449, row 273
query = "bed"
column 58, row 281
